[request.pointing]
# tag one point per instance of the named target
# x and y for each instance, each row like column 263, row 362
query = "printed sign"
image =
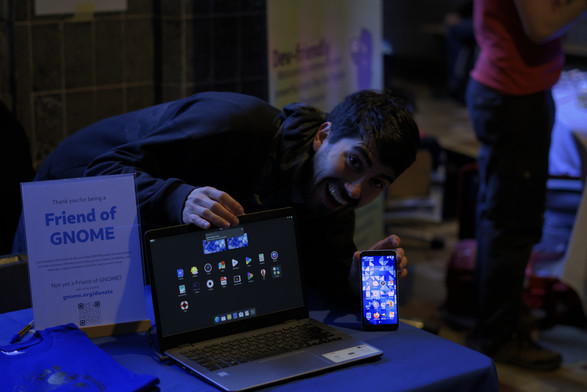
column 84, row 251
column 320, row 50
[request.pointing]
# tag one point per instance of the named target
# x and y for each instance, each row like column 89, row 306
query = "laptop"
column 230, row 307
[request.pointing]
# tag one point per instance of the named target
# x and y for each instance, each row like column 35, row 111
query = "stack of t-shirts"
column 63, row 358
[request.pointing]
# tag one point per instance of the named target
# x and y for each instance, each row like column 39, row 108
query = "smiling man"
column 210, row 157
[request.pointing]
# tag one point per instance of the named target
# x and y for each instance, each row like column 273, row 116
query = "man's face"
column 346, row 174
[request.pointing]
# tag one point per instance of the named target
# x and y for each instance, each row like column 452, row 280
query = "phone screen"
column 379, row 290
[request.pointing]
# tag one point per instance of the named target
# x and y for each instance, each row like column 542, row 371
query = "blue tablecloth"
column 413, row 360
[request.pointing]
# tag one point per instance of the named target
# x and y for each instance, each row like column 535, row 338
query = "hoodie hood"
column 296, row 126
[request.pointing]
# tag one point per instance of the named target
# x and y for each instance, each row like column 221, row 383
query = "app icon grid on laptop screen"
column 204, row 278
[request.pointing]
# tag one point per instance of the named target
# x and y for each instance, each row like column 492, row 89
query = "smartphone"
column 379, row 290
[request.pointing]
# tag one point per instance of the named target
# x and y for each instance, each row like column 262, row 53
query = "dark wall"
column 210, row 45
column 59, row 74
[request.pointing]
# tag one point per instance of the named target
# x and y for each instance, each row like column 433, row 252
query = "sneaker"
column 522, row 351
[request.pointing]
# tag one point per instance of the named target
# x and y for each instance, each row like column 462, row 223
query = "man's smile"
column 336, row 195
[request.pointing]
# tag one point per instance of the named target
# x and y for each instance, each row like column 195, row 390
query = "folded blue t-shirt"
column 62, row 359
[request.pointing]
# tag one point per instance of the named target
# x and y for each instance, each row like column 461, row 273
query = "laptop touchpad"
column 299, row 361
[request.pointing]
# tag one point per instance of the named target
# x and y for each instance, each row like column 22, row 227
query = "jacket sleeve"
column 169, row 151
column 160, row 194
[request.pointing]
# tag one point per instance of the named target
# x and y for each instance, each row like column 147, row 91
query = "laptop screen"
column 215, row 277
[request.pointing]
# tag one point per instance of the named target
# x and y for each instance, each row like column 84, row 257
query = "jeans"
column 514, row 132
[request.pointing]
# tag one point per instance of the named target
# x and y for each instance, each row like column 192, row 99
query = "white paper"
column 350, row 353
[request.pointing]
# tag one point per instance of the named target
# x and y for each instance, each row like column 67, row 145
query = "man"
column 14, row 154
column 208, row 158
column 512, row 111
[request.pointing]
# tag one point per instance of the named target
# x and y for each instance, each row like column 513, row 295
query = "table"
column 413, row 360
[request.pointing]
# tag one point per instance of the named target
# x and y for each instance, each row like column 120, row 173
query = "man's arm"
column 544, row 20
column 161, row 192
column 183, row 153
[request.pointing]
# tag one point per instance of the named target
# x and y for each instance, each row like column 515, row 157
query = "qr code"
column 89, row 313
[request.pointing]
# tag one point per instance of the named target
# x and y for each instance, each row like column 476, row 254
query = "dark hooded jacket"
column 233, row 142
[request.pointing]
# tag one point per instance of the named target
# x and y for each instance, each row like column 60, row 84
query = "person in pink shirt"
column 512, row 110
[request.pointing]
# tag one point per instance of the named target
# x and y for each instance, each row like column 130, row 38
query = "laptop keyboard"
column 263, row 345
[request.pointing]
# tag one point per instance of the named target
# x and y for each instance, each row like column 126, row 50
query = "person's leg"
column 513, row 168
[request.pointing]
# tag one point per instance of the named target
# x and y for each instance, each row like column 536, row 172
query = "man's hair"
column 382, row 120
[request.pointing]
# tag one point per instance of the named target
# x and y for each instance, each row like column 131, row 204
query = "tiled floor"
column 423, row 292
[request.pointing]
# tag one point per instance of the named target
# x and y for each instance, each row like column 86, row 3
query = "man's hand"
column 391, row 242
column 207, row 206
